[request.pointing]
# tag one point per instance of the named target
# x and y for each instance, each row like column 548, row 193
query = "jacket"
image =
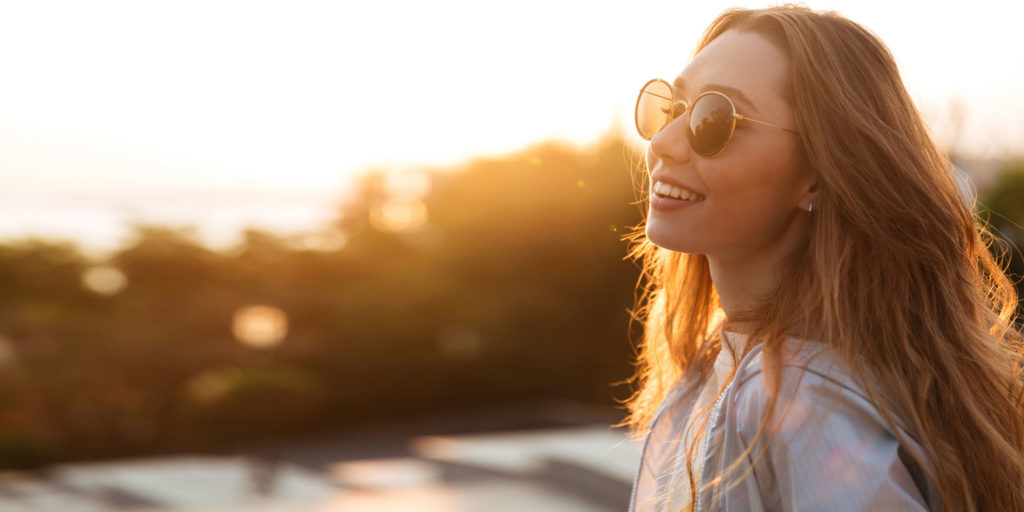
column 831, row 450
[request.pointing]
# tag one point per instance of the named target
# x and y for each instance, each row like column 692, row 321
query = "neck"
column 744, row 281
column 740, row 289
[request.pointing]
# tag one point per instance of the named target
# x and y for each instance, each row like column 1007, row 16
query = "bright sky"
column 231, row 113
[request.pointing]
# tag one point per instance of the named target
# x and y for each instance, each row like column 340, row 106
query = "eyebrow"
column 732, row 92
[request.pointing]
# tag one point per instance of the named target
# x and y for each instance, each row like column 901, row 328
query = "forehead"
column 742, row 60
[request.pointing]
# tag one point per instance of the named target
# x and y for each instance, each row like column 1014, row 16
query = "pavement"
column 572, row 468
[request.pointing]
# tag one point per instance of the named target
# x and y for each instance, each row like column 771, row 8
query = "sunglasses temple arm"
column 741, row 116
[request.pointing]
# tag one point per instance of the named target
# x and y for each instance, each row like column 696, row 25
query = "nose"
column 671, row 142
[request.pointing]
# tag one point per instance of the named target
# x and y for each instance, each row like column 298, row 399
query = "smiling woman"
column 746, row 193
column 825, row 328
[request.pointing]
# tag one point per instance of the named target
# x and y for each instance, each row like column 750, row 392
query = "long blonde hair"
column 895, row 276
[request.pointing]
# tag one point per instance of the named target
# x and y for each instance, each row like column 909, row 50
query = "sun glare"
column 113, row 100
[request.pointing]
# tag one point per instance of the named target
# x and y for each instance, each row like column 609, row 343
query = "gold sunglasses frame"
column 672, row 116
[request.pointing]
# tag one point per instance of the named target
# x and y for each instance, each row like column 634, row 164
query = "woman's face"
column 753, row 192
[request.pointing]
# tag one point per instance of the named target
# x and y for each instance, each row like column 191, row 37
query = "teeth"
column 664, row 189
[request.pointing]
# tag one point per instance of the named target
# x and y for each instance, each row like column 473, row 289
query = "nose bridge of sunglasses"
column 679, row 107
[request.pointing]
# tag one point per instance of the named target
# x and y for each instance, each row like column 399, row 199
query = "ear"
column 808, row 195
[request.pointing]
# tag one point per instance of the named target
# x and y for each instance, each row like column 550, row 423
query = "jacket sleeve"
column 827, row 448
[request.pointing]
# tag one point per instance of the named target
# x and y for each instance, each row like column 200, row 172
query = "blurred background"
column 364, row 256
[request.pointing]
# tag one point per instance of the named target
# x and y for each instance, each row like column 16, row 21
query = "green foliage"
column 232, row 402
column 1003, row 205
column 21, row 450
column 514, row 288
column 1006, row 199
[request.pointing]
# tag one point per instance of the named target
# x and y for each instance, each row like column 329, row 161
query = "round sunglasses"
column 712, row 116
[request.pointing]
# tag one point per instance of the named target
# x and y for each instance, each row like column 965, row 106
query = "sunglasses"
column 712, row 116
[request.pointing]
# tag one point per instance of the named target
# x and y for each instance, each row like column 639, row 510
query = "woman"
column 825, row 328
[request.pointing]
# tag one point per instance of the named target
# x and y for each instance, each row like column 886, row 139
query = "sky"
column 224, row 114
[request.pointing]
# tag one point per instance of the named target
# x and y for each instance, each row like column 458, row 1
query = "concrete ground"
column 573, row 468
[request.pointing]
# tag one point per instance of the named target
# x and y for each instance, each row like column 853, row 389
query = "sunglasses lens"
column 653, row 108
column 711, row 124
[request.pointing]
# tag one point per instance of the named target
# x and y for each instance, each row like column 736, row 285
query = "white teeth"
column 665, row 189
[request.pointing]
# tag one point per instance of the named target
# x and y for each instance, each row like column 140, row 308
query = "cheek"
column 757, row 191
column 740, row 185
column 759, row 171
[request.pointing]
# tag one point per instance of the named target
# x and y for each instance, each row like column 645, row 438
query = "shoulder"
column 826, row 446
column 814, row 382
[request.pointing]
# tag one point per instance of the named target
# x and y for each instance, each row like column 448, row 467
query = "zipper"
column 740, row 367
column 706, row 442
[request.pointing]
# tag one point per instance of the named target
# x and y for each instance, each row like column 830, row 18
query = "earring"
column 810, row 207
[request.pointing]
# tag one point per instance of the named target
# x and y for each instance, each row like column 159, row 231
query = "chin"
column 666, row 236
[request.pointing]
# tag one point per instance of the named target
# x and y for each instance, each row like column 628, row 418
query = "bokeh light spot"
column 209, row 386
column 411, row 184
column 459, row 342
column 104, row 279
column 260, row 326
column 326, row 241
column 399, row 215
column 8, row 354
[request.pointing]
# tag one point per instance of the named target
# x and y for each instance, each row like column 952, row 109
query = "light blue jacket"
column 832, row 450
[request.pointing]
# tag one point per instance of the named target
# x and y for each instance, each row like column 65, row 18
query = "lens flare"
column 260, row 327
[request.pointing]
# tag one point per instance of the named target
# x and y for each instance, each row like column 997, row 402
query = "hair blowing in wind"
column 895, row 275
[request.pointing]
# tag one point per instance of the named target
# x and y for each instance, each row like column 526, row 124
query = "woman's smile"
column 668, row 196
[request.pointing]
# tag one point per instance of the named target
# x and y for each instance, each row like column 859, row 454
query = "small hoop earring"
column 810, row 207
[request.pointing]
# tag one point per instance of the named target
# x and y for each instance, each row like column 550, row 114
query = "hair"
column 896, row 275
